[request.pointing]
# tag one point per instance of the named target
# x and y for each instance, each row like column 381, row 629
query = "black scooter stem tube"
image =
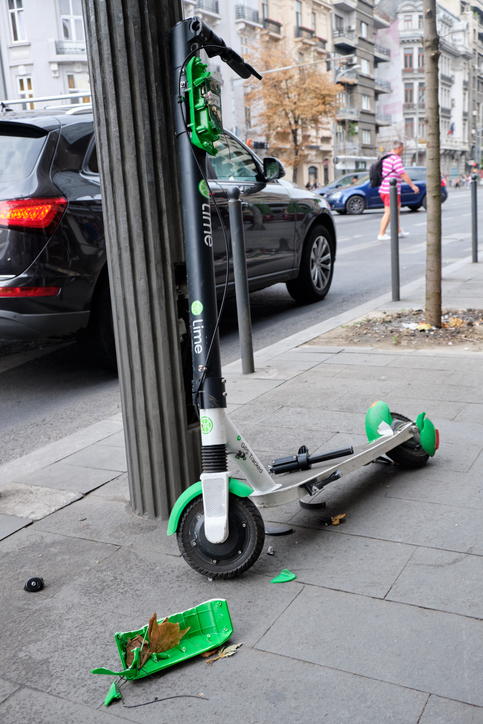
column 198, row 237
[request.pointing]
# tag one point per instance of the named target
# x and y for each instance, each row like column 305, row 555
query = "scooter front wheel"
column 409, row 454
column 222, row 560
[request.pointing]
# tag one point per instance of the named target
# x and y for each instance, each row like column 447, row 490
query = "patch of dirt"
column 461, row 329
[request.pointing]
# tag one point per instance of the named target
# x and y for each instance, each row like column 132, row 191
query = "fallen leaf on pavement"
column 225, row 651
column 338, row 519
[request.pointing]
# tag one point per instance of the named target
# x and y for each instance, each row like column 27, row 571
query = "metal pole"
column 394, row 239
column 241, row 280
column 129, row 67
column 474, row 218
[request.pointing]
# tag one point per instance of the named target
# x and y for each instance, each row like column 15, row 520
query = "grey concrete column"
column 128, row 50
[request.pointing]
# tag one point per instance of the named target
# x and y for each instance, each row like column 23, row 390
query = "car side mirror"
column 272, row 168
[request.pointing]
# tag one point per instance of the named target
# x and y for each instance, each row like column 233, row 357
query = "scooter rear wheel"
column 222, row 560
column 409, row 454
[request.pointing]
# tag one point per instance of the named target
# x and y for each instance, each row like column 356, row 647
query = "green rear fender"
column 377, row 413
column 237, row 487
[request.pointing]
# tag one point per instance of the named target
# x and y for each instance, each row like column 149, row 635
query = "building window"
column 365, row 67
column 25, row 91
column 421, row 93
column 408, row 22
column 72, row 21
column 248, row 117
column 77, row 82
column 298, row 14
column 364, row 29
column 312, row 20
column 366, row 138
column 339, row 22
column 408, row 59
column 420, row 22
column 422, row 128
column 408, row 93
column 366, row 102
column 409, row 127
column 265, row 9
column 15, row 9
column 420, row 58
column 245, row 43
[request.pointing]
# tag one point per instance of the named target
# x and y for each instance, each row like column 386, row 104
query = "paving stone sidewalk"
column 383, row 624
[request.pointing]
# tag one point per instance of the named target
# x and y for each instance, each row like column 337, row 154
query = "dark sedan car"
column 356, row 198
column 53, row 269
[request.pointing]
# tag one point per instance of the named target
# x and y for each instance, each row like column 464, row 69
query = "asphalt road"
column 49, row 392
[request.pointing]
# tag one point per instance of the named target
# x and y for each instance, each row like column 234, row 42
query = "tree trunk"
column 134, row 122
column 433, row 168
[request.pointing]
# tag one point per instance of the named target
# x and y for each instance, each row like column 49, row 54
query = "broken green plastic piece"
column 284, row 577
column 209, row 625
column 204, row 95
column 112, row 694
column 377, row 413
column 427, row 433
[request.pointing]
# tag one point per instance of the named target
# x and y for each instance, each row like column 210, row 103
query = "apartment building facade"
column 42, row 49
column 406, row 101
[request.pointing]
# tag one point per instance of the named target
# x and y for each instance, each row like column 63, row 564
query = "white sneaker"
column 404, row 233
column 384, row 237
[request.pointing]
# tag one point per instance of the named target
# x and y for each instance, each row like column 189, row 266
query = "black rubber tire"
column 237, row 554
column 342, row 212
column 410, row 454
column 424, row 202
column 414, row 208
column 96, row 341
column 355, row 205
column 316, row 268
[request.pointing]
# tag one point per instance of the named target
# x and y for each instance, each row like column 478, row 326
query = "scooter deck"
column 299, row 483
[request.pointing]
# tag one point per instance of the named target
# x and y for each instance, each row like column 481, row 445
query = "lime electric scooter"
column 219, row 527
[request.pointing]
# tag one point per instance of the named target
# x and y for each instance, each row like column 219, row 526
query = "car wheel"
column 355, row 205
column 342, row 212
column 414, row 208
column 316, row 268
column 96, row 341
column 425, row 202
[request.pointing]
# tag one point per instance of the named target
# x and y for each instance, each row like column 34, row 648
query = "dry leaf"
column 225, row 651
column 136, row 643
column 207, row 654
column 424, row 325
column 337, row 518
column 164, row 636
column 456, row 322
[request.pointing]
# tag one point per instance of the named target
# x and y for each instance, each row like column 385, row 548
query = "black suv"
column 53, row 270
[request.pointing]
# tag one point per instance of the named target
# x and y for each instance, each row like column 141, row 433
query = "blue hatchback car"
column 361, row 196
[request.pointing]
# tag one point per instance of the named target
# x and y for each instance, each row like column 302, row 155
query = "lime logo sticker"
column 196, row 308
column 203, row 189
column 238, row 437
column 206, row 425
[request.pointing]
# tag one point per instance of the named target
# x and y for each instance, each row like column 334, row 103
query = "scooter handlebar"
column 214, row 45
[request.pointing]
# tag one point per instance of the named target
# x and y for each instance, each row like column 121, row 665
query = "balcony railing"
column 242, row 12
column 466, row 84
column 445, row 111
column 301, row 32
column 447, row 78
column 383, row 119
column 350, row 113
column 320, row 43
column 348, row 148
column 344, row 36
column 465, row 115
column 211, row 6
column 70, row 47
column 350, row 76
column 382, row 85
column 273, row 26
column 382, row 50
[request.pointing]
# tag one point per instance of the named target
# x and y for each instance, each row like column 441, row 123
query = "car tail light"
column 30, row 214
column 28, row 291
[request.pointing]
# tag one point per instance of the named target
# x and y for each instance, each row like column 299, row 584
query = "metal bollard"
column 241, row 279
column 394, row 239
column 474, row 218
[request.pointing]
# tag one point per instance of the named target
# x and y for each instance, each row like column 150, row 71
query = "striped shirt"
column 392, row 167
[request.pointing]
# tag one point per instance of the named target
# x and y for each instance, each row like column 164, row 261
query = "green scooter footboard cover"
column 427, row 433
column 209, row 625
column 377, row 413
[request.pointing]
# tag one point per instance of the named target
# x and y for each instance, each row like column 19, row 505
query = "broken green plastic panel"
column 204, row 95
column 284, row 577
column 377, row 413
column 237, row 487
column 112, row 694
column 209, row 624
column 427, row 432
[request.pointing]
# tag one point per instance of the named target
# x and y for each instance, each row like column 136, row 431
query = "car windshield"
column 19, row 151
